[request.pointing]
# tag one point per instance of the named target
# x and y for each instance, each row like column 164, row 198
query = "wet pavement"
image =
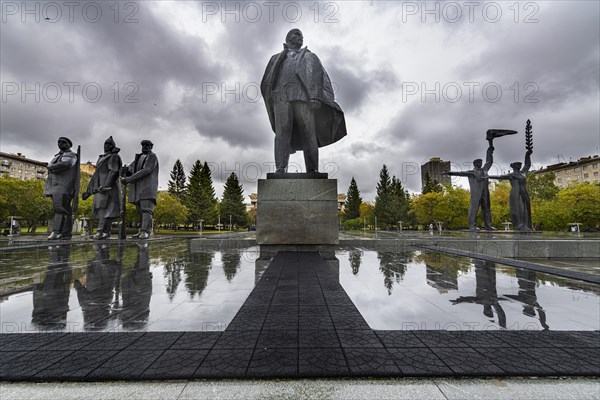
column 298, row 322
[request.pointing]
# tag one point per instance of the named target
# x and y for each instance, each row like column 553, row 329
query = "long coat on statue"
column 145, row 178
column 106, row 204
column 329, row 118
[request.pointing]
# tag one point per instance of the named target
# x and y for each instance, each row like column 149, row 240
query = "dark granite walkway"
column 297, row 322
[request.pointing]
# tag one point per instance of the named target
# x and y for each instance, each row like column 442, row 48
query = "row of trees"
column 552, row 208
column 187, row 201
column 197, row 194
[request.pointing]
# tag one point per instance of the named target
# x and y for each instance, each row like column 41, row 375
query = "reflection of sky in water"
column 428, row 290
column 160, row 288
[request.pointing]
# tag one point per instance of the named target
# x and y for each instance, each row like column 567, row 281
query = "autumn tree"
column 169, row 210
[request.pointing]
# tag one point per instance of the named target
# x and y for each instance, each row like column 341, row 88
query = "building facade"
column 435, row 167
column 20, row 167
column 586, row 169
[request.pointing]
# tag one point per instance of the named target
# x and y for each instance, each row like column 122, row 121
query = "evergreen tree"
column 353, row 201
column 399, row 199
column 233, row 202
column 431, row 185
column 382, row 199
column 193, row 197
column 177, row 181
column 209, row 199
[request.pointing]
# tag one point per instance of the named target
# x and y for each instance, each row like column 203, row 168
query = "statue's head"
column 64, row 143
column 516, row 166
column 109, row 145
column 147, row 146
column 294, row 39
column 478, row 163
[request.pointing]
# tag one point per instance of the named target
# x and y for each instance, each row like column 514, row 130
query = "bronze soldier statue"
column 300, row 104
column 104, row 186
column 142, row 177
column 62, row 186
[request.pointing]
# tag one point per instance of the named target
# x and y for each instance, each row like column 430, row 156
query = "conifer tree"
column 193, row 197
column 431, row 185
column 353, row 201
column 233, row 202
column 209, row 199
column 177, row 183
column 383, row 197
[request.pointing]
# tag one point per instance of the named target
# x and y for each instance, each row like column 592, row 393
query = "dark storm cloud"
column 561, row 66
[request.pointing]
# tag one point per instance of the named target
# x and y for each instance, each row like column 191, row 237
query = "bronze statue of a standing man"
column 104, row 186
column 142, row 175
column 300, row 103
column 62, row 186
column 480, row 193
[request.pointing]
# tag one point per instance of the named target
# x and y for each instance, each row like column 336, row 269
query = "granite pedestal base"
column 297, row 214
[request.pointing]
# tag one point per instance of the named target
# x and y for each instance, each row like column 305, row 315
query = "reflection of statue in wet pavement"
column 300, row 104
column 442, row 269
column 527, row 296
column 142, row 177
column 231, row 263
column 442, row 279
column 355, row 259
column 51, row 297
column 519, row 201
column 104, row 186
column 393, row 267
column 62, row 186
column 485, row 291
column 96, row 293
column 480, row 193
column 136, row 287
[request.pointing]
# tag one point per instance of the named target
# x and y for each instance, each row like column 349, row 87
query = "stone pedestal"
column 297, row 212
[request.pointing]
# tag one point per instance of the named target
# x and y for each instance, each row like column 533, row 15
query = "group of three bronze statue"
column 62, row 186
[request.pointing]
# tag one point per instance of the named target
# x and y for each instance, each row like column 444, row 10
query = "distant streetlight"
column 229, row 222
column 201, row 221
column 400, row 226
column 375, row 226
column 219, row 223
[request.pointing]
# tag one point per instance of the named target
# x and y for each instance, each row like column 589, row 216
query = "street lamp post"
column 400, row 226
column 375, row 226
column 219, row 224
column 201, row 221
column 229, row 222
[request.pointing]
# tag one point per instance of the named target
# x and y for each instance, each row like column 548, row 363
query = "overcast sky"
column 416, row 80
